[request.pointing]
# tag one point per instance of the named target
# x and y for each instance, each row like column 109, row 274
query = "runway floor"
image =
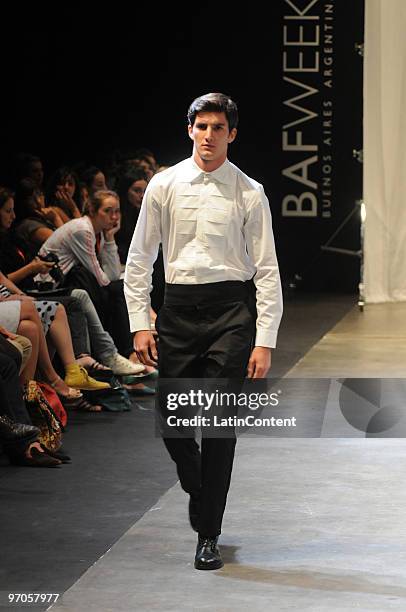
column 311, row 524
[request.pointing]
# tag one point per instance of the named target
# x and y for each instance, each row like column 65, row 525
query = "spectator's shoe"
column 10, row 431
column 140, row 389
column 194, row 512
column 59, row 454
column 77, row 377
column 37, row 459
column 122, row 366
column 207, row 554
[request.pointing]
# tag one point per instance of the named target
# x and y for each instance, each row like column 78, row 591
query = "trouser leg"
column 186, row 455
column 77, row 324
column 217, row 464
column 102, row 345
column 12, row 400
column 212, row 343
column 119, row 324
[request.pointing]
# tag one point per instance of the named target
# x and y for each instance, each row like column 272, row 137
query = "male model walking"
column 215, row 227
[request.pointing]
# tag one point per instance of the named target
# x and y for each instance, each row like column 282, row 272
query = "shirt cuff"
column 109, row 243
column 266, row 337
column 139, row 321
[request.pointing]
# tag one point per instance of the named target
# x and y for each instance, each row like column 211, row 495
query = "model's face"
column 7, row 215
column 211, row 137
column 99, row 182
column 136, row 193
column 108, row 214
column 68, row 185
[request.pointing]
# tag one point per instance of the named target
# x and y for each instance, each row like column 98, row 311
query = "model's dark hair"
column 214, row 103
column 5, row 195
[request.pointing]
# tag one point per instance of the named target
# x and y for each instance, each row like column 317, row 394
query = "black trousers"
column 205, row 331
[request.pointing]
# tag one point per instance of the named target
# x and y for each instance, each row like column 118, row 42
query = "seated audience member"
column 145, row 159
column 35, row 221
column 48, row 317
column 16, row 263
column 88, row 257
column 131, row 189
column 30, row 167
column 63, row 193
column 18, row 437
column 93, row 179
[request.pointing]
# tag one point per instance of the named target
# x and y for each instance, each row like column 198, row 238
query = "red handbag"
column 54, row 401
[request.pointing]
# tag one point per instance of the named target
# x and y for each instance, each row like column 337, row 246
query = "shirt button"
column 205, row 179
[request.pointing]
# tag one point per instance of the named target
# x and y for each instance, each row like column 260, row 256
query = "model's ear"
column 190, row 131
column 232, row 135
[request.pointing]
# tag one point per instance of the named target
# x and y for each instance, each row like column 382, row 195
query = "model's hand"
column 145, row 347
column 259, row 363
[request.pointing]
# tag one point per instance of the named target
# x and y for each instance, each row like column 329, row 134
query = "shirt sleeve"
column 82, row 244
column 261, row 249
column 142, row 254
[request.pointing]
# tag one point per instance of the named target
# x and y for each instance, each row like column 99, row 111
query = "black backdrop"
column 78, row 83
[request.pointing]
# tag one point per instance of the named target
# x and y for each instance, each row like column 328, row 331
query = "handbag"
column 43, row 416
column 56, row 404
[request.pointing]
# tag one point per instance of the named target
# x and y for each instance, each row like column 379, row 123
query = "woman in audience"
column 93, row 179
column 88, row 256
column 131, row 189
column 36, row 221
column 16, row 263
column 15, row 308
column 63, row 193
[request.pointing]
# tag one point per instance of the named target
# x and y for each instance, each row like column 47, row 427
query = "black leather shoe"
column 10, row 431
column 194, row 512
column 37, row 459
column 207, row 554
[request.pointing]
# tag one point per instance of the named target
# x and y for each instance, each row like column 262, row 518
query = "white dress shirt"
column 214, row 226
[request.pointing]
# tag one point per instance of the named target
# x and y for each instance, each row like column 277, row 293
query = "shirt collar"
column 191, row 173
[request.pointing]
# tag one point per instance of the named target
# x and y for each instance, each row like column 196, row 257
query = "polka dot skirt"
column 46, row 311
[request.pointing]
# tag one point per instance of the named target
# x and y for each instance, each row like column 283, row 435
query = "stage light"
column 363, row 212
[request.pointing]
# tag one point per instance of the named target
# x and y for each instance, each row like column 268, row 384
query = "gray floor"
column 311, row 524
column 363, row 344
